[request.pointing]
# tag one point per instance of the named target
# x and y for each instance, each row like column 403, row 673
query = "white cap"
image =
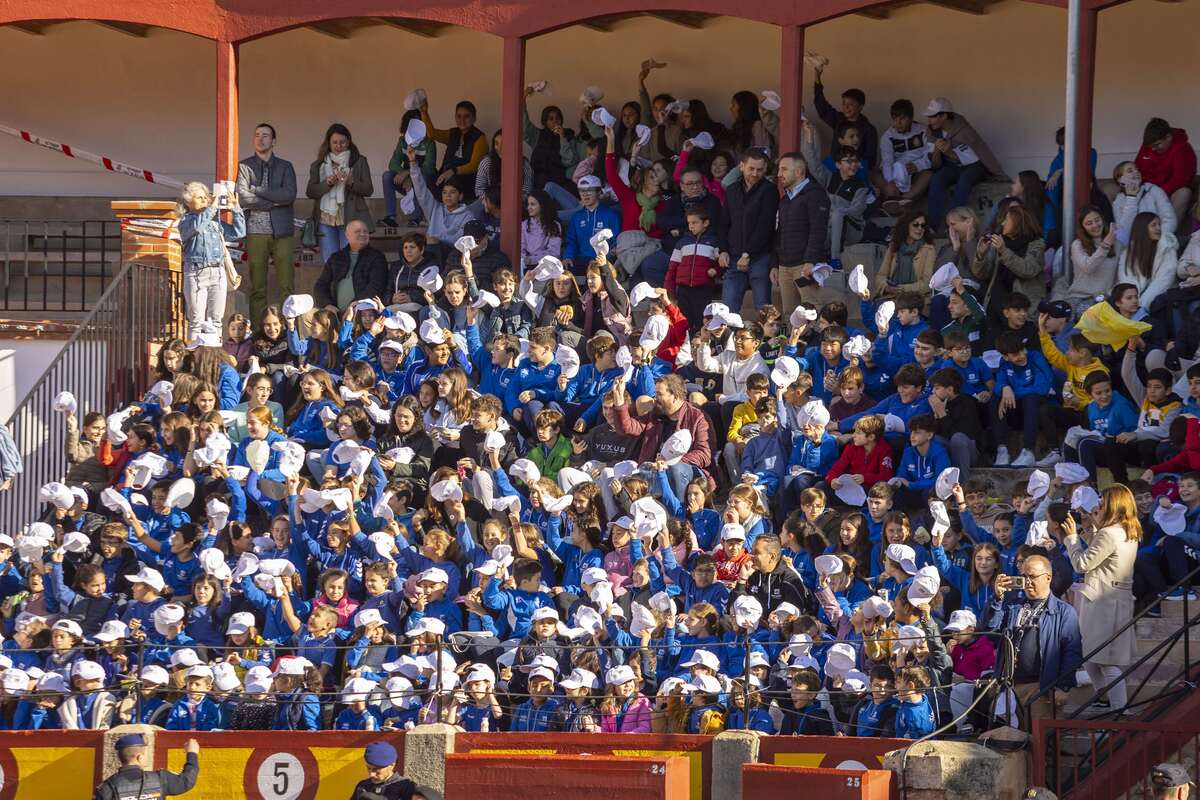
column 938, row 105
column 654, row 332
column 903, row 555
column 1039, row 484
column 88, row 671
column 733, row 531
column 840, row 658
column 829, row 564
column 292, row 665
column 548, row 269
column 960, row 620
column 1172, row 519
column 703, row 658
column 368, row 617
column 152, row 673
column 167, row 615
column 580, row 678
column 296, row 305
column 427, row 625
column 707, row 684
column 70, row 626
column 541, row 672
column 677, row 445
column 199, row 671
column 588, row 182
column 747, row 611
column 151, row 577
column 240, row 622
column 786, row 372
column 619, row 675
column 1084, row 498
column 526, row 470
column 480, row 672
column 357, row 690
column 258, row 680
column 111, row 631
column 225, row 677
column 924, row 586
column 875, row 607
column 432, row 332
column 433, row 575
column 430, row 280
column 1070, row 472
column 185, row 657
column 544, row 613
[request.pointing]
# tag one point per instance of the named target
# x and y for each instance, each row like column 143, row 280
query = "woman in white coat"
column 1105, row 554
column 1150, row 262
column 1135, row 197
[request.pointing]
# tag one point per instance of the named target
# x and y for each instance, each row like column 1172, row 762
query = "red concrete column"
column 1083, row 100
column 791, row 86
column 512, row 98
column 227, row 110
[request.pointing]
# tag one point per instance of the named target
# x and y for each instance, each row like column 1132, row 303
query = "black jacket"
column 803, row 227
column 748, row 219
column 673, row 219
column 781, row 585
column 484, row 264
column 370, row 276
column 397, row 787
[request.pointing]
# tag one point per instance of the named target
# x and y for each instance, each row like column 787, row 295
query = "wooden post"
column 513, row 154
column 791, row 86
column 227, row 110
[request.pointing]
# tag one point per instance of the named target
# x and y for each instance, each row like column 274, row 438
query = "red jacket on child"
column 1188, row 459
column 875, row 466
column 1171, row 170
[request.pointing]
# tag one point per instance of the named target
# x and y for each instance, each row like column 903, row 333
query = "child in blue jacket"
column 1023, row 381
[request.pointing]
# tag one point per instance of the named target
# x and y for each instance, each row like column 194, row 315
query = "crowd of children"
column 537, row 501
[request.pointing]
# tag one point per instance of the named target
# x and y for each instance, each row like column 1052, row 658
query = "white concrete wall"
column 22, row 362
column 150, row 101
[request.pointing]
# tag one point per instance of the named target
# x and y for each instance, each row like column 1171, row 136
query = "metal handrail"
column 104, row 363
column 1184, row 632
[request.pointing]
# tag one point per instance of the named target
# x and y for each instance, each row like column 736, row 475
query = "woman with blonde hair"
column 1105, row 555
column 207, row 269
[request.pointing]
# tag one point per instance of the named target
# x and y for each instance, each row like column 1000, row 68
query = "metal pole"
column 746, row 688
column 1070, row 143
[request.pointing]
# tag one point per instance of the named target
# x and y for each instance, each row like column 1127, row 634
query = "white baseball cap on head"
column 938, row 105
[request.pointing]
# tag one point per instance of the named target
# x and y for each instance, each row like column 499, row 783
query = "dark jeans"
column 1056, row 419
column 692, row 301
column 1024, row 416
column 757, row 278
column 953, row 182
column 939, row 312
column 1117, row 457
column 1160, row 568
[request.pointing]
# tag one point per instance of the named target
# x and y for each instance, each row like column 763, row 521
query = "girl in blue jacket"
column 318, row 401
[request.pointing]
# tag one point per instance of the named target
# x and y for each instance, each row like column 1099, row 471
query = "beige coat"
column 922, row 270
column 1106, row 603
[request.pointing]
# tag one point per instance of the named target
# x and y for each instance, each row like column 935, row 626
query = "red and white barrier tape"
column 104, row 161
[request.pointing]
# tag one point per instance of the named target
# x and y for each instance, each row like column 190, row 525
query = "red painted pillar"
column 227, row 110
column 1083, row 101
column 791, row 86
column 512, row 98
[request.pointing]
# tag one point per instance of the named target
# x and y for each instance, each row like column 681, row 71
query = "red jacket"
column 649, row 429
column 677, row 335
column 1189, row 457
column 1174, row 169
column 691, row 261
column 875, row 466
column 974, row 659
column 630, row 210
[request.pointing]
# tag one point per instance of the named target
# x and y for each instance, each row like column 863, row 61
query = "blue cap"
column 380, row 754
column 131, row 740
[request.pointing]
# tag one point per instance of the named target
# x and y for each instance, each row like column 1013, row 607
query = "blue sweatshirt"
column 766, row 457
column 890, row 405
column 542, row 381
column 922, row 470
column 308, row 426
column 815, row 458
column 1119, row 416
column 975, row 374
column 914, row 720
column 1035, row 378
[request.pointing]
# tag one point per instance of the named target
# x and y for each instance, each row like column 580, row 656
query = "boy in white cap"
column 94, row 707
column 195, row 711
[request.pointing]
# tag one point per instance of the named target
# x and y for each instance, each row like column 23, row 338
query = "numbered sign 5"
column 281, row 775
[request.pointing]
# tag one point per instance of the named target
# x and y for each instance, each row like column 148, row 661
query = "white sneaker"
column 1050, row 459
column 1001, row 457
column 1024, row 458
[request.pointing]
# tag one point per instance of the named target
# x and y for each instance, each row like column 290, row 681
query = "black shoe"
column 389, row 222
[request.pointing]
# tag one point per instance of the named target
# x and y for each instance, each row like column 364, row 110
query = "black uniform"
column 396, row 787
column 135, row 783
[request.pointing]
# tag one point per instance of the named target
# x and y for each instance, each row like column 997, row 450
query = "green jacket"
column 551, row 460
column 972, row 324
column 426, row 152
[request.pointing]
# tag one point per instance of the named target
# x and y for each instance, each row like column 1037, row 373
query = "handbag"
column 308, row 234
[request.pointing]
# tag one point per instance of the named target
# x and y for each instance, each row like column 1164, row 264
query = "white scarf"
column 332, row 200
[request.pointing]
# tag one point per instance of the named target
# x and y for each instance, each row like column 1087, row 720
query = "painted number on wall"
column 281, row 775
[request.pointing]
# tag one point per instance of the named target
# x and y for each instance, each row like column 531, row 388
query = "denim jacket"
column 203, row 236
